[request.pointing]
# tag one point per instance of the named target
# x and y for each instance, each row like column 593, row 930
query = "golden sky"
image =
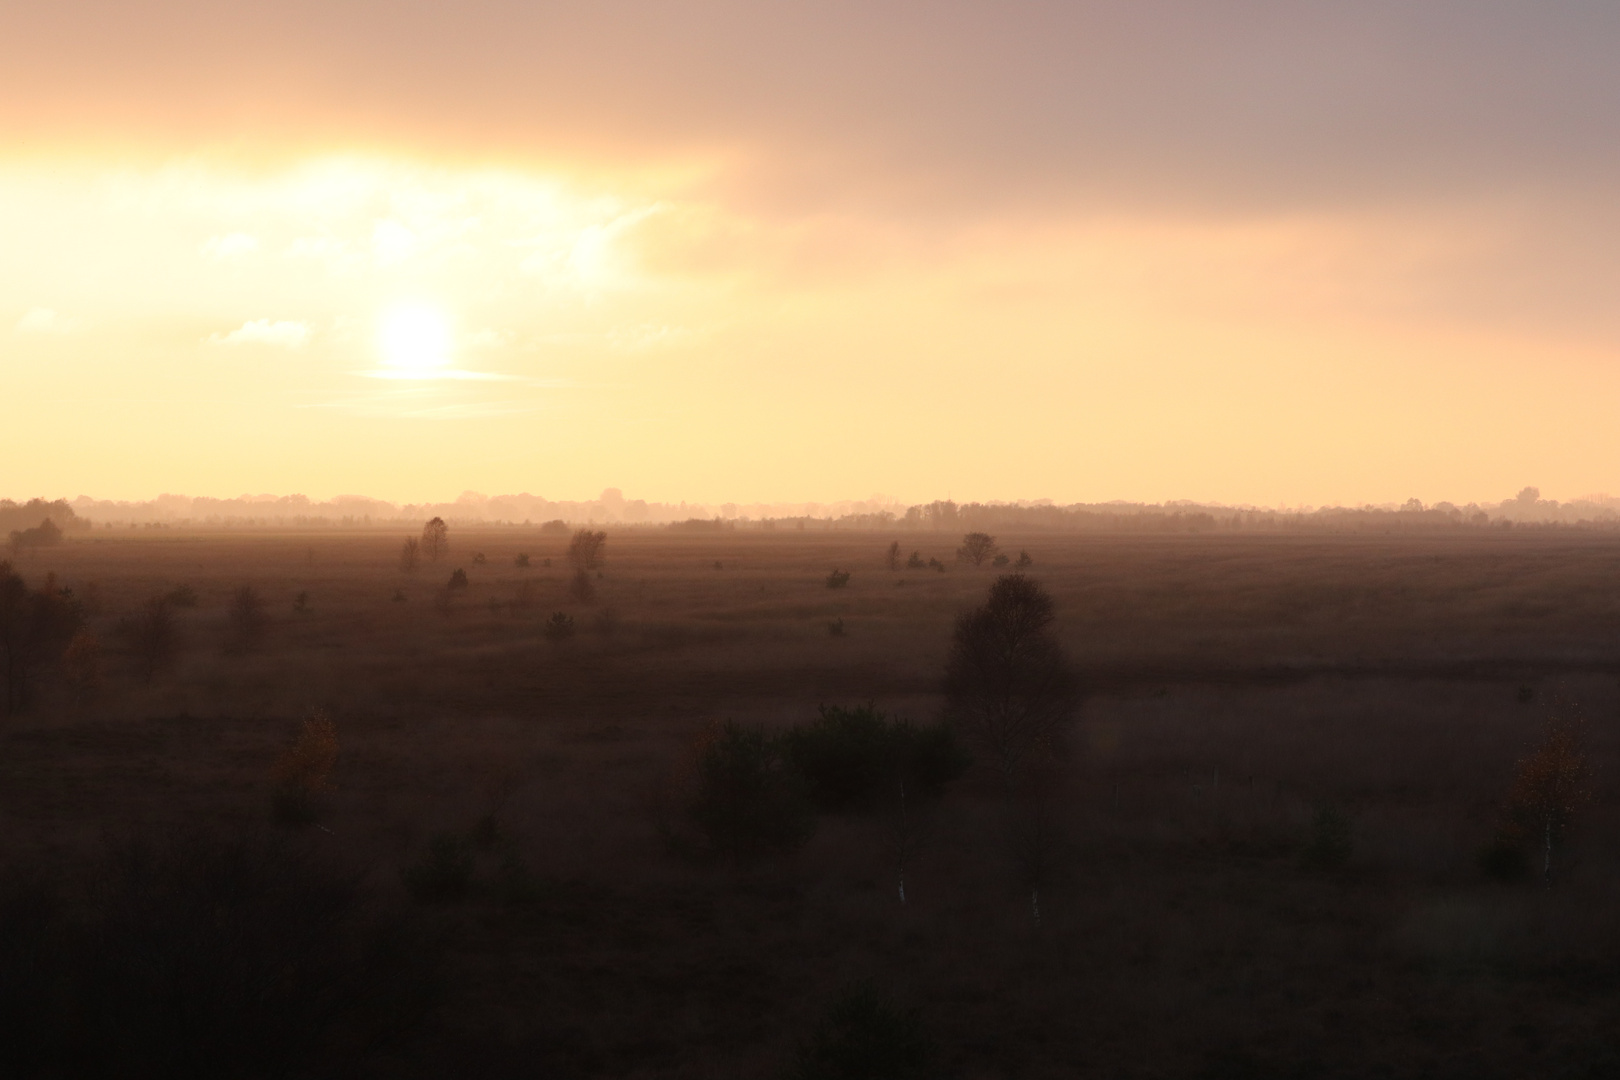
column 1260, row 252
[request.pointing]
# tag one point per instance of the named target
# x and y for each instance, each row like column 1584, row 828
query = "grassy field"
column 1234, row 687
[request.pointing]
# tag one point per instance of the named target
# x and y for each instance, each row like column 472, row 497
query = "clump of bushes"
column 479, row 559
column 853, row 759
column 458, row 579
column 748, row 802
column 865, row 1036
column 837, row 579
column 521, row 561
column 916, row 561
column 247, row 614
column 560, row 627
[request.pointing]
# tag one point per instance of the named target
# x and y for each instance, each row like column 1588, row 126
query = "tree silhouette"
column 587, row 550
column 976, row 547
column 152, row 637
column 35, row 628
column 1007, row 682
column 435, row 539
column 407, row 554
column 893, row 560
column 1550, row 788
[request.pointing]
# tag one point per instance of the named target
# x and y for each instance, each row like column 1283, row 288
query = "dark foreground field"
column 1234, row 688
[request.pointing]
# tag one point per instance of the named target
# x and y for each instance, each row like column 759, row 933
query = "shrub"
column 479, row 560
column 35, row 629
column 555, row 528
column 1000, row 559
column 916, row 561
column 1329, row 844
column 182, row 596
column 892, row 559
column 1024, row 561
column 81, row 663
column 408, row 554
column 398, row 597
column 444, row 873
column 521, row 560
column 303, row 772
column 836, row 628
column 748, row 803
column 581, row 589
column 560, row 627
column 837, row 579
column 301, row 601
column 458, row 579
column 855, row 758
column 864, row 1036
column 935, row 564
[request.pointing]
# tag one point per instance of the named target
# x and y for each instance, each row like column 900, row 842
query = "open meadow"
column 1263, row 844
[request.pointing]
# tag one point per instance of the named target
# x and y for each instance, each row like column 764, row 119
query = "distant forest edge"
column 83, row 514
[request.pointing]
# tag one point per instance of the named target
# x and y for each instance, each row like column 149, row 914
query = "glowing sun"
column 414, row 340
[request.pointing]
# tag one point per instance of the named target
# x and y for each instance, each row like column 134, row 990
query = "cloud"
column 43, row 320
column 229, row 246
column 283, row 333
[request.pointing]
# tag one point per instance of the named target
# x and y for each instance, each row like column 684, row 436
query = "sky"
column 1261, row 253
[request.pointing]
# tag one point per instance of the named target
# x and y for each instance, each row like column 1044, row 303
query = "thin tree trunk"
column 1035, row 904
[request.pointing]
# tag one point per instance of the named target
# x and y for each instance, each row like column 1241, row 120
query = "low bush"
column 458, row 579
column 837, row 579
column 182, row 596
column 916, row 561
column 748, row 802
column 560, row 627
column 303, row 772
column 521, row 561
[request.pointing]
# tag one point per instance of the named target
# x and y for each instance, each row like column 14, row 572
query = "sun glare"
column 414, row 340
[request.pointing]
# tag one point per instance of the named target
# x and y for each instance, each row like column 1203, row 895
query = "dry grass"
column 1235, row 687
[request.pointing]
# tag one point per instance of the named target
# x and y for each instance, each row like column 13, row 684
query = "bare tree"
column 976, row 547
column 894, row 556
column 1550, row 788
column 587, row 550
column 1007, row 681
column 408, row 553
column 435, row 539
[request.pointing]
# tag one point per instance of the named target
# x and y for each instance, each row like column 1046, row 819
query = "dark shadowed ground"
column 1235, row 687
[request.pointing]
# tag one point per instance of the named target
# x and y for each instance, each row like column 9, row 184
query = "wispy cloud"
column 229, row 246
column 283, row 333
column 43, row 320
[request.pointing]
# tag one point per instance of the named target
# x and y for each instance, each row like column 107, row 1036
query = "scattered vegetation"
column 35, row 629
column 458, row 579
column 857, row 759
column 915, row 562
column 521, row 561
column 479, row 559
column 1550, row 788
column 555, row 528
column 892, row 558
column 1024, row 561
column 838, row 579
column 45, row 534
